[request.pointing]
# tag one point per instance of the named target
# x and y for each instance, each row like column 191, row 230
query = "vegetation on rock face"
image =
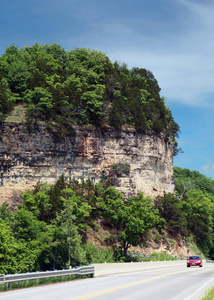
column 80, row 87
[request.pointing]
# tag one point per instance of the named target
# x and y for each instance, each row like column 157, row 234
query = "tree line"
column 81, row 87
column 51, row 227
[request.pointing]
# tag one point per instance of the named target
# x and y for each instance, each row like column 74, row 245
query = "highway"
column 177, row 283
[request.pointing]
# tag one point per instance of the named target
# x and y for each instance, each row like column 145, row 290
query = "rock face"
column 132, row 161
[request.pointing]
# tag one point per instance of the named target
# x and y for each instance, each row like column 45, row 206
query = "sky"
column 174, row 39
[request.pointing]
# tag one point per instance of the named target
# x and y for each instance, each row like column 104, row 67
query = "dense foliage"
column 52, row 226
column 190, row 217
column 81, row 87
column 194, row 202
column 193, row 180
column 49, row 228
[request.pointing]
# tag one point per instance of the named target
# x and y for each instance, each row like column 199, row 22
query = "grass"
column 162, row 256
column 155, row 256
column 17, row 114
column 209, row 295
column 37, row 282
column 15, row 119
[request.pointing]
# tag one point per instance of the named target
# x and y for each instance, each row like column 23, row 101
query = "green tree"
column 70, row 235
column 15, row 70
column 6, row 98
column 131, row 217
column 195, row 180
column 26, row 226
column 81, row 87
column 40, row 103
column 38, row 202
column 171, row 210
column 5, row 213
column 15, row 256
column 199, row 211
column 81, row 209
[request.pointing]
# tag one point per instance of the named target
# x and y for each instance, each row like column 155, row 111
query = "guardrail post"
column 2, row 278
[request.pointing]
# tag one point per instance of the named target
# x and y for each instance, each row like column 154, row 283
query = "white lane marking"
column 200, row 289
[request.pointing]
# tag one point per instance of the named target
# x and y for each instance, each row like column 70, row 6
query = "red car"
column 194, row 261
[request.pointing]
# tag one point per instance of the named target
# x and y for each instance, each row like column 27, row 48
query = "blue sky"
column 171, row 38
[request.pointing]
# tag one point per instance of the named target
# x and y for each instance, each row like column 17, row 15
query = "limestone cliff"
column 28, row 157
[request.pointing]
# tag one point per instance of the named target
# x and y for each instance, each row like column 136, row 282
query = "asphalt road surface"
column 177, row 283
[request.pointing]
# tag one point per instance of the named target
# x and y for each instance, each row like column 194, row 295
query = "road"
column 178, row 283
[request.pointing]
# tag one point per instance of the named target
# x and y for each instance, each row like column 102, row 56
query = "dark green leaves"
column 81, row 87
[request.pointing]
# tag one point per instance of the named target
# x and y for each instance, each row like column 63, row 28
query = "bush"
column 98, row 255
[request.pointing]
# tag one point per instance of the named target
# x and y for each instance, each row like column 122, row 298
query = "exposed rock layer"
column 28, row 157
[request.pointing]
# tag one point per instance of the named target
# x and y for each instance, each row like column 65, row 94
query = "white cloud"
column 182, row 63
column 208, row 167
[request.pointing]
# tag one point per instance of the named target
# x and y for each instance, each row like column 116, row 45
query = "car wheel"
column 200, row 266
column 188, row 266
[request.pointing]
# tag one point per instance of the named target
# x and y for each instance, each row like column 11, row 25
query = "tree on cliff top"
column 82, row 87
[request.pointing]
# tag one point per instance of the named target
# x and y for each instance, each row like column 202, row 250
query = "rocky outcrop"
column 131, row 160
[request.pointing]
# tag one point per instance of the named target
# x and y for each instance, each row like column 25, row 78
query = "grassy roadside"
column 209, row 295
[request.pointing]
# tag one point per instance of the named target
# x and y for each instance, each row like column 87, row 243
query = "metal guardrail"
column 86, row 270
column 80, row 271
column 2, row 279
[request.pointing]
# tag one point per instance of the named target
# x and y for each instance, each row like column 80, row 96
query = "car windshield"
column 194, row 257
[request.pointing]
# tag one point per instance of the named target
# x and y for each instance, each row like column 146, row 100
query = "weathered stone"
column 28, row 157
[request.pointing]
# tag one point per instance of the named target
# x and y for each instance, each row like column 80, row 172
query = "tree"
column 26, row 226
column 15, row 256
column 195, row 180
column 40, row 102
column 6, row 98
column 131, row 217
column 81, row 208
column 15, row 70
column 171, row 210
column 38, row 202
column 81, row 87
column 199, row 211
column 69, row 233
column 5, row 213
